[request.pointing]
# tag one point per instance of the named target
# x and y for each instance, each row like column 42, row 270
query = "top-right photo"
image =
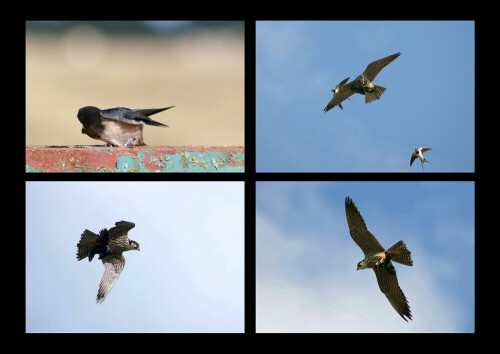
column 365, row 96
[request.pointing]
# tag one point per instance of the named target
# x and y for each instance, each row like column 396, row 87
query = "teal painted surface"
column 144, row 160
column 31, row 169
column 192, row 161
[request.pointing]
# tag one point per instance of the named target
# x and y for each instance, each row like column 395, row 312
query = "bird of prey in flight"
column 109, row 245
column 420, row 154
column 117, row 126
column 380, row 259
column 362, row 84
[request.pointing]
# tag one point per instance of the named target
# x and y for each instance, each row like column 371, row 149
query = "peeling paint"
column 136, row 159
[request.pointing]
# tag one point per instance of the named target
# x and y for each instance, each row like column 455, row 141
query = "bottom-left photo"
column 83, row 274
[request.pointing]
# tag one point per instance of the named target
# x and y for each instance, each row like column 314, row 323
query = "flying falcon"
column 419, row 153
column 379, row 259
column 362, row 84
column 117, row 126
column 109, row 245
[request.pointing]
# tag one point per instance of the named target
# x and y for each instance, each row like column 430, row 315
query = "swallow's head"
column 90, row 117
column 416, row 150
column 88, row 114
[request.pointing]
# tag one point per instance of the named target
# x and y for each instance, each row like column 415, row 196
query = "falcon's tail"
column 399, row 253
column 88, row 242
column 375, row 95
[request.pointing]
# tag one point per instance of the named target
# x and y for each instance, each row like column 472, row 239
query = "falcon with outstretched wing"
column 379, row 259
column 109, row 245
column 362, row 84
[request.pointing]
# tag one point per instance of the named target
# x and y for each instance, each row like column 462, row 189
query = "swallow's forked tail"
column 151, row 111
column 155, row 123
column 399, row 253
column 375, row 95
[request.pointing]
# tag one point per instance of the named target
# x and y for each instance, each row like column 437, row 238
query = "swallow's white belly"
column 121, row 134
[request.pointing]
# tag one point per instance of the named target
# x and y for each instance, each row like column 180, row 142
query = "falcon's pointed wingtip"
column 408, row 315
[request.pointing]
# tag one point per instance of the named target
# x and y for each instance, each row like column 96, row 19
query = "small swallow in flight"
column 362, row 84
column 419, row 153
column 117, row 126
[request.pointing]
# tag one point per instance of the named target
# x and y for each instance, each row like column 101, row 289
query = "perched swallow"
column 362, row 84
column 117, row 126
column 419, row 153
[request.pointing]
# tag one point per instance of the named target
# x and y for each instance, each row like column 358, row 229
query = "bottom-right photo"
column 365, row 257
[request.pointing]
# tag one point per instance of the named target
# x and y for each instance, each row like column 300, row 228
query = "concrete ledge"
column 99, row 158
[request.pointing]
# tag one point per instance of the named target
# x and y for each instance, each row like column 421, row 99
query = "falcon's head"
column 362, row 265
column 134, row 246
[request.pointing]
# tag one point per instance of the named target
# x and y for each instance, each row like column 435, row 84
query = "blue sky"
column 188, row 276
column 431, row 84
column 306, row 259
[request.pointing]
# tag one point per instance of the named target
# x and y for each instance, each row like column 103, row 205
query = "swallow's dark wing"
column 129, row 116
column 357, row 228
column 343, row 82
column 389, row 285
column 425, row 149
column 374, row 68
column 344, row 93
column 151, row 111
column 413, row 157
column 121, row 228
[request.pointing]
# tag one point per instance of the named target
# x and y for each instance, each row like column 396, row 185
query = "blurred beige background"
column 199, row 70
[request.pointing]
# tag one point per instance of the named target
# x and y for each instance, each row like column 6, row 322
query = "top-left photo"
column 135, row 96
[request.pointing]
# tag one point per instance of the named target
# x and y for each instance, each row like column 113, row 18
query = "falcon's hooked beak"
column 137, row 246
